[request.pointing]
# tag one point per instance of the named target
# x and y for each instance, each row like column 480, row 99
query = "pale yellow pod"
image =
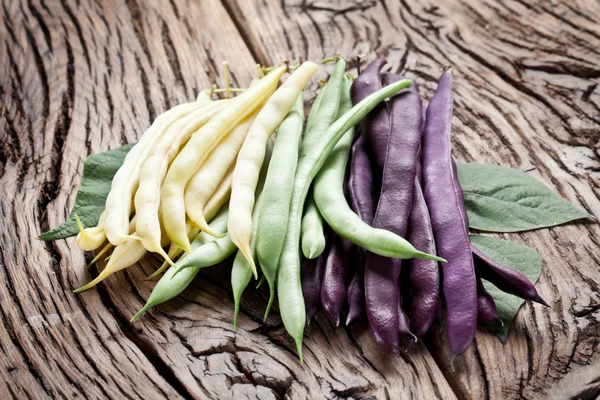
column 213, row 205
column 199, row 146
column 122, row 254
column 252, row 154
column 125, row 181
column 152, row 174
column 89, row 239
column 211, row 173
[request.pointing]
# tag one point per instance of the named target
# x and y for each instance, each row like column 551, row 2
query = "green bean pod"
column 172, row 283
column 322, row 115
column 277, row 194
column 312, row 235
column 289, row 290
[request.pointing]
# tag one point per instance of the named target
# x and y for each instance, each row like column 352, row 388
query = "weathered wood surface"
column 79, row 77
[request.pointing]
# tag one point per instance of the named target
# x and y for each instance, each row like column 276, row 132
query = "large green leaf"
column 98, row 172
column 511, row 255
column 501, row 199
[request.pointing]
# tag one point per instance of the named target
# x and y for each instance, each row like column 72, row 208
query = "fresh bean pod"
column 199, row 147
column 382, row 292
column 125, row 181
column 362, row 201
column 89, row 239
column 241, row 271
column 424, row 275
column 277, row 194
column 312, row 236
column 506, row 279
column 331, row 178
column 337, row 268
column 214, row 204
column 154, row 170
column 320, row 118
column 289, row 290
column 376, row 125
column 204, row 183
column 444, row 197
column 486, row 306
column 312, row 278
column 252, row 153
column 173, row 283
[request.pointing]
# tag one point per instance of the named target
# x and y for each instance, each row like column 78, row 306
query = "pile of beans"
column 327, row 211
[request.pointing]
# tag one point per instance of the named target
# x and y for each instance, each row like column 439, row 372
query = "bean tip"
column 538, row 299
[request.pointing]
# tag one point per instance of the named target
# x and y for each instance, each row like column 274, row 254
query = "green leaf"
column 511, row 255
column 98, row 172
column 501, row 199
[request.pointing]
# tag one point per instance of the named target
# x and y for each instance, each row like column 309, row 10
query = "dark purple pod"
column 362, row 200
column 337, row 268
column 445, row 200
column 312, row 277
column 360, row 182
column 376, row 125
column 356, row 290
column 424, row 275
column 382, row 292
column 486, row 306
column 404, row 325
column 506, row 279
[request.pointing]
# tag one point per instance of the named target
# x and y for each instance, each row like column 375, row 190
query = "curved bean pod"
column 486, row 307
column 506, row 279
column 277, row 194
column 173, row 283
column 444, row 198
column 382, row 292
column 362, row 201
column 125, row 181
column 89, row 239
column 199, row 147
column 152, row 174
column 312, row 278
column 289, row 290
column 241, row 271
column 329, row 178
column 312, row 235
column 424, row 275
column 204, row 183
column 376, row 125
column 252, row 153
column 214, row 204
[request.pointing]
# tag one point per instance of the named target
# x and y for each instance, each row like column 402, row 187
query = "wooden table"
column 79, row 77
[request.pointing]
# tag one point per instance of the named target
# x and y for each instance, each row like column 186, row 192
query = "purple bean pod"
column 362, row 201
column 312, row 278
column 382, row 292
column 506, row 279
column 337, row 268
column 376, row 125
column 444, row 198
column 486, row 306
column 424, row 275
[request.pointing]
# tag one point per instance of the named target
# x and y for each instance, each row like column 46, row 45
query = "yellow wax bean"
column 89, row 239
column 213, row 205
column 199, row 146
column 252, row 154
column 152, row 174
column 211, row 173
column 126, row 179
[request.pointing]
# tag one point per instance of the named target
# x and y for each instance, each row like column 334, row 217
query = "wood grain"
column 80, row 76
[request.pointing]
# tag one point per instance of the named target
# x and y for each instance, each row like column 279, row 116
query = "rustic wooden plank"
column 526, row 90
column 94, row 75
